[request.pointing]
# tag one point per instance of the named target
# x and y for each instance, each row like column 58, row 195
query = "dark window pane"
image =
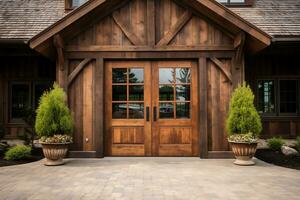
column 166, row 75
column 166, row 110
column 183, row 75
column 266, row 96
column 20, row 100
column 166, row 92
column 183, row 92
column 136, row 75
column 136, row 110
column 119, row 75
column 136, row 93
column 39, row 89
column 182, row 110
column 119, row 111
column 288, row 96
column 119, row 93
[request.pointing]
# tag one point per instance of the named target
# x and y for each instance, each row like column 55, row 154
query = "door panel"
column 128, row 133
column 150, row 109
column 174, row 101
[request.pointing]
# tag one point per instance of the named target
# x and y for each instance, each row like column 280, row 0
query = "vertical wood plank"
column 202, row 79
column 150, row 30
column 98, row 107
column 87, row 108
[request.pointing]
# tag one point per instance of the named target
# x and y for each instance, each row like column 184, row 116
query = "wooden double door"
column 151, row 108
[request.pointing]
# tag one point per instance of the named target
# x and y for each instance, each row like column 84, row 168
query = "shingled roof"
column 23, row 19
column 278, row 18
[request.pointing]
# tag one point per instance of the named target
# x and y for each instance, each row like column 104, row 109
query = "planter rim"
column 230, row 141
column 55, row 143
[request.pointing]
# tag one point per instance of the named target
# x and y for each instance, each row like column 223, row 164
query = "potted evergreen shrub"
column 54, row 125
column 243, row 125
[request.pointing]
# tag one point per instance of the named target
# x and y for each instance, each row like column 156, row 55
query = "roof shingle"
column 22, row 19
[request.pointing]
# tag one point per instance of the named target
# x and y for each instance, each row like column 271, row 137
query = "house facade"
column 151, row 77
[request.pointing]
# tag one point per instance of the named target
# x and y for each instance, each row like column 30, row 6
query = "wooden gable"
column 140, row 24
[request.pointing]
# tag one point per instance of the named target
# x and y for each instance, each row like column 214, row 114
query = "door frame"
column 195, row 121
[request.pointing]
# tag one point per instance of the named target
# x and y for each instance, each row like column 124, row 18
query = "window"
column 237, row 2
column 278, row 97
column 76, row 3
column 24, row 96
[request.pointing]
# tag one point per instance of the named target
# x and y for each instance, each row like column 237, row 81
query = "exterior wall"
column 131, row 33
column 278, row 61
column 28, row 68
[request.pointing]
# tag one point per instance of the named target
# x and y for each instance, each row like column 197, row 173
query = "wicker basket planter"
column 54, row 153
column 243, row 152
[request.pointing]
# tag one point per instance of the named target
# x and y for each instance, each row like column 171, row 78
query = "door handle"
column 154, row 114
column 147, row 114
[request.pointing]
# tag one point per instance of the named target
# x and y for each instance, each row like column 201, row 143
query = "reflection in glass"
column 136, row 93
column 266, row 96
column 166, row 92
column 136, row 110
column 20, row 100
column 166, row 110
column 119, row 93
column 182, row 110
column 166, row 75
column 119, row 75
column 136, row 75
column 182, row 92
column 183, row 75
column 119, row 111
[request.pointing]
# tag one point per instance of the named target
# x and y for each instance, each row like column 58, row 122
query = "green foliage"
column 298, row 144
column 275, row 143
column 243, row 117
column 53, row 116
column 18, row 152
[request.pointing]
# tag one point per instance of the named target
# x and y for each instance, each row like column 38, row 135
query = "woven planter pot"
column 243, row 153
column 54, row 153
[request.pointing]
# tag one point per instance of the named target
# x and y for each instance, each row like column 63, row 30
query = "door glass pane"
column 166, row 110
column 182, row 92
column 119, row 111
column 136, row 93
column 166, row 75
column 20, row 100
column 119, row 93
column 182, row 110
column 166, row 92
column 136, row 75
column 183, row 75
column 136, row 110
column 119, row 75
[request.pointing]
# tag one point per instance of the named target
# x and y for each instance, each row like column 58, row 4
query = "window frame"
column 277, row 113
column 238, row 4
column 32, row 85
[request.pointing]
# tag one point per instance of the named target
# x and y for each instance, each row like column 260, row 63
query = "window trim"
column 277, row 79
column 239, row 4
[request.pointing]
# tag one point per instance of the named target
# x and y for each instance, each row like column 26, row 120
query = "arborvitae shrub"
column 18, row 152
column 243, row 117
column 275, row 143
column 53, row 115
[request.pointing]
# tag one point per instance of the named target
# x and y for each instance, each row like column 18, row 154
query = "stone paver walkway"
column 149, row 179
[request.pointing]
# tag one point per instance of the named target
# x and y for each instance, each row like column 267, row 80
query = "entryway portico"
column 102, row 44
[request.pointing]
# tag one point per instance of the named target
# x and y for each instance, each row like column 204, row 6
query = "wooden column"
column 61, row 68
column 238, row 69
column 98, row 107
column 202, row 77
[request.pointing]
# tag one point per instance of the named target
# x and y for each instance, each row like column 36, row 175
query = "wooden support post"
column 202, row 80
column 98, row 107
column 238, row 60
column 61, row 67
column 151, row 22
